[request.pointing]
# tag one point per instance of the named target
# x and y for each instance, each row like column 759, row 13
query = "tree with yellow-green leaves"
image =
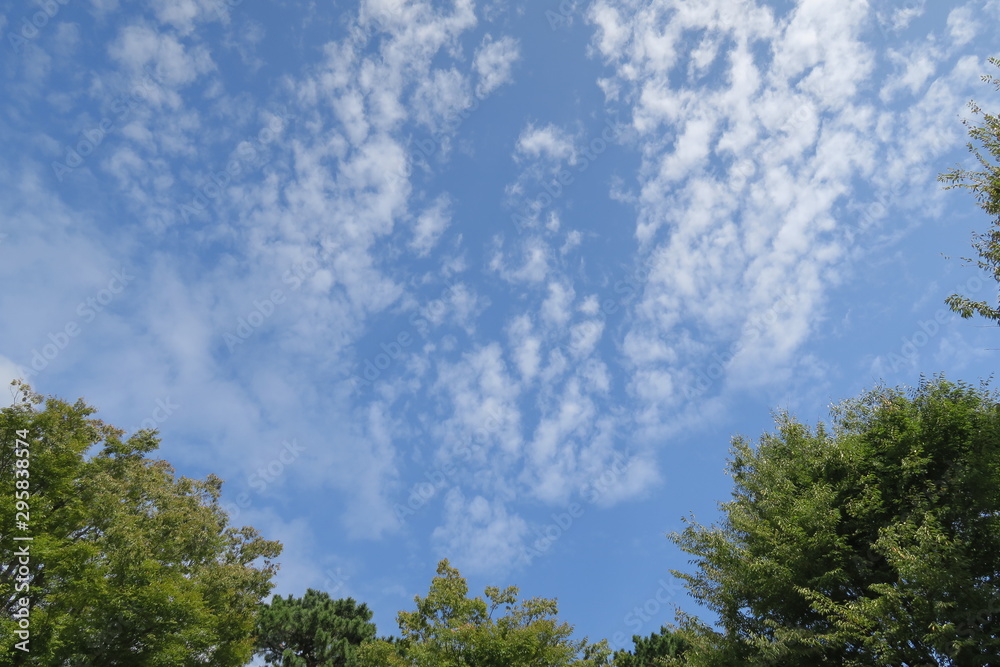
column 449, row 629
column 128, row 564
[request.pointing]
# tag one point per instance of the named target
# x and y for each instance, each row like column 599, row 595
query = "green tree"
column 873, row 542
column 985, row 186
column 313, row 631
column 129, row 564
column 666, row 647
column 448, row 629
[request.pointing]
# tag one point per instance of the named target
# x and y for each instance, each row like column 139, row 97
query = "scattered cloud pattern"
column 482, row 261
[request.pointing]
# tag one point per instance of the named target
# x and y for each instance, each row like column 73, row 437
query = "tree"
column 666, row 647
column 985, row 185
column 448, row 629
column 129, row 564
column 313, row 631
column 874, row 542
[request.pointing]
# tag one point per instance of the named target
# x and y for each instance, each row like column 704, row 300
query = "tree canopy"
column 874, row 541
column 666, row 647
column 129, row 564
column 984, row 184
column 313, row 631
column 449, row 629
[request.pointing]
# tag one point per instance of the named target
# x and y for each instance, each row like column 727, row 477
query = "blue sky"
column 491, row 281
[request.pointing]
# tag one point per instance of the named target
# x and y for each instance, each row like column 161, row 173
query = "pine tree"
column 312, row 631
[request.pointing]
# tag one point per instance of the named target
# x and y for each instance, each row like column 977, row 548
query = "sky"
column 488, row 281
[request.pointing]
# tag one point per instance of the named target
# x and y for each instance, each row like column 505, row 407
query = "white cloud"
column 917, row 65
column 105, row 6
column 183, row 14
column 371, row 464
column 525, row 346
column 534, row 257
column 747, row 201
column 962, row 27
column 590, row 305
column 493, row 62
column 430, row 225
column 311, row 217
column 548, row 142
column 573, row 413
column 484, row 421
column 614, row 485
column 584, row 337
column 440, row 96
column 899, row 18
column 556, row 307
column 691, row 151
column 573, row 239
column 741, row 183
column 614, row 32
column 350, row 110
column 138, row 46
column 480, row 535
